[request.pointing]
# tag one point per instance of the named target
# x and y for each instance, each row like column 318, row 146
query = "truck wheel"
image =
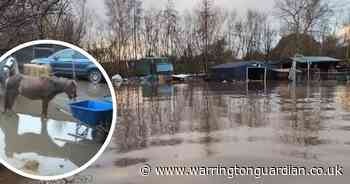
column 95, row 76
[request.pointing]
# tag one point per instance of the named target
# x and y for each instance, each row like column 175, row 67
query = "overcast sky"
column 236, row 4
column 239, row 5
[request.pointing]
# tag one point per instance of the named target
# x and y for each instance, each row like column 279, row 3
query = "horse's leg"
column 5, row 98
column 45, row 105
column 5, row 101
column 12, row 100
column 12, row 90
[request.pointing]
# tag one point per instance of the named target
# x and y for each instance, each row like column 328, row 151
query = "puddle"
column 47, row 147
column 43, row 147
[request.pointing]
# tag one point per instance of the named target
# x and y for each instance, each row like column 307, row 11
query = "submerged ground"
column 44, row 147
column 209, row 124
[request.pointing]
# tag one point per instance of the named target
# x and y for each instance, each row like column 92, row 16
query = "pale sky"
column 232, row 4
column 241, row 6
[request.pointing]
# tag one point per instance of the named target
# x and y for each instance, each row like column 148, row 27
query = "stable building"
column 240, row 71
column 155, row 69
column 316, row 67
column 324, row 64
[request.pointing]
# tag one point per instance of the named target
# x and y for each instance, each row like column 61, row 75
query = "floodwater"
column 43, row 147
column 48, row 147
column 207, row 124
column 203, row 124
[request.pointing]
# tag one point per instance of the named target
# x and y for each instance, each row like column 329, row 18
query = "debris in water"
column 31, row 165
column 125, row 162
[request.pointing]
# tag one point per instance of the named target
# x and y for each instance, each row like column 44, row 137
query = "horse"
column 37, row 88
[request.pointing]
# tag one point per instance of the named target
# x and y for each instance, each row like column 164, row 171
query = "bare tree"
column 125, row 20
column 26, row 20
column 118, row 13
column 231, row 34
column 137, row 23
column 301, row 16
column 170, row 17
column 186, row 39
column 67, row 24
column 346, row 35
column 19, row 20
column 206, row 19
column 253, row 34
column 210, row 22
column 268, row 38
column 152, row 32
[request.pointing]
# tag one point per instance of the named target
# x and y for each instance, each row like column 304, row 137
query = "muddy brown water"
column 46, row 147
column 209, row 124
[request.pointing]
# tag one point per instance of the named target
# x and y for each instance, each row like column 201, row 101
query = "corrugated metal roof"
column 315, row 59
column 238, row 64
column 229, row 65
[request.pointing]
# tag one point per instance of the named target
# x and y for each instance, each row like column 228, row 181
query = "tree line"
column 193, row 39
column 209, row 34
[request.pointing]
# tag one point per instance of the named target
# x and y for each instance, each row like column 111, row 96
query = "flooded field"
column 228, row 124
column 47, row 147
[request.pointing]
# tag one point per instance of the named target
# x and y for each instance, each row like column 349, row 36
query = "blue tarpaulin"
column 164, row 67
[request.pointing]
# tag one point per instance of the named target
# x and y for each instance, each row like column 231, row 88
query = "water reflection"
column 305, row 121
column 44, row 143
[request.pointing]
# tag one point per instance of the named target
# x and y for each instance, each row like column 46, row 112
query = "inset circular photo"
column 57, row 109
